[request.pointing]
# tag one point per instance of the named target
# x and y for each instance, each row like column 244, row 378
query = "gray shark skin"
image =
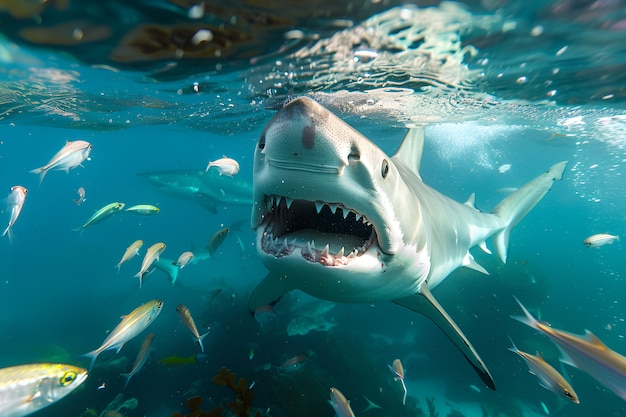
column 208, row 189
column 337, row 218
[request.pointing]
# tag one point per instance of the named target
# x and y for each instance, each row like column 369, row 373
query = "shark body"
column 209, row 189
column 342, row 221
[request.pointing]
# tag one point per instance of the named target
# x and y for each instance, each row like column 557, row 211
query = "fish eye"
column 384, row 169
column 67, row 378
column 262, row 142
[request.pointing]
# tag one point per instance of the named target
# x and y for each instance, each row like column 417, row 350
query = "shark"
column 209, row 189
column 339, row 219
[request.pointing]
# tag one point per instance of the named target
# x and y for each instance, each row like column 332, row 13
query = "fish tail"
column 93, row 355
column 517, row 205
column 200, row 340
column 167, row 266
column 514, row 348
column 42, row 173
column 128, row 377
column 7, row 232
column 527, row 318
column 405, row 392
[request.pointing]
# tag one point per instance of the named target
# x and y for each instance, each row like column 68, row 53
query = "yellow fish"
column 217, row 239
column 145, row 209
column 100, row 215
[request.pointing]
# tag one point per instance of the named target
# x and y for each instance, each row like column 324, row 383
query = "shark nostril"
column 354, row 157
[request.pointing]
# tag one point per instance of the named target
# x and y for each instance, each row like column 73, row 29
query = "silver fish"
column 225, row 166
column 140, row 360
column 152, row 254
column 185, row 317
column 184, row 259
column 549, row 378
column 15, row 202
column 601, row 239
column 217, row 239
column 145, row 209
column 130, row 326
column 586, row 353
column 25, row 389
column 103, row 213
column 70, row 156
column 397, row 370
column 339, row 403
column 131, row 251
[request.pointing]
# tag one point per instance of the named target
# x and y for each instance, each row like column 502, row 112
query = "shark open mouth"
column 302, row 226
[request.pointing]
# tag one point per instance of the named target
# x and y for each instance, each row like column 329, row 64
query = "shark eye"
column 67, row 378
column 262, row 142
column 384, row 169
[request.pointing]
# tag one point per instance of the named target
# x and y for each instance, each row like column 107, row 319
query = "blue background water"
column 61, row 294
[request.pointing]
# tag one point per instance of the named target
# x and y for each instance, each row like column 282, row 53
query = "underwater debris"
column 430, row 401
column 195, row 411
column 243, row 403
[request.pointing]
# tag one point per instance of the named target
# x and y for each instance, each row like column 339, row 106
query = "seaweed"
column 243, row 403
column 195, row 411
column 431, row 407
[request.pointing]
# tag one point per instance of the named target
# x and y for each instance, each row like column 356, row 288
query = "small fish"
column 293, row 363
column 70, row 156
column 184, row 259
column 81, row 196
column 504, row 168
column 140, row 360
column 398, row 371
column 100, row 215
column 178, row 360
column 185, row 317
column 131, row 325
column 131, row 251
column 601, row 239
column 15, row 202
column 585, row 352
column 549, row 378
column 217, row 239
column 152, row 254
column 144, row 209
column 225, row 166
column 339, row 403
column 251, row 353
column 25, row 389
column 102, row 386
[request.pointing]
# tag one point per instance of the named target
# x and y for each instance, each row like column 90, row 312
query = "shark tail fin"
column 519, row 203
column 167, row 266
column 127, row 377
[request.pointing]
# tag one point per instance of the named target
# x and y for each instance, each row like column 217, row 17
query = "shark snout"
column 302, row 136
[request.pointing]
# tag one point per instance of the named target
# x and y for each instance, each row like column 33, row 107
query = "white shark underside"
column 340, row 220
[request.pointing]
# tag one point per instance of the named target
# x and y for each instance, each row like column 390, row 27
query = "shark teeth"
column 290, row 224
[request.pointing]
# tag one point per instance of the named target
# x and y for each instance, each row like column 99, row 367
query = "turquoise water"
column 523, row 84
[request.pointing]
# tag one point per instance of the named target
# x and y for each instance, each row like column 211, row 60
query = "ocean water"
column 505, row 90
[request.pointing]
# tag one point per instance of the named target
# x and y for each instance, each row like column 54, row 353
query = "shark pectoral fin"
column 206, row 201
column 424, row 303
column 268, row 292
column 470, row 262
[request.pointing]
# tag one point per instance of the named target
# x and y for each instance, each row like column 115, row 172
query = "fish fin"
column 593, row 339
column 469, row 262
column 370, row 405
column 514, row 207
column 42, row 173
column 527, row 318
column 168, row 266
column 128, row 377
column 410, row 151
column 471, row 201
column 208, row 202
column 9, row 233
column 268, row 292
column 483, row 245
column 424, row 303
column 202, row 338
column 93, row 355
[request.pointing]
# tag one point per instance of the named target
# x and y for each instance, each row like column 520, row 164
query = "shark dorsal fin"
column 410, row 150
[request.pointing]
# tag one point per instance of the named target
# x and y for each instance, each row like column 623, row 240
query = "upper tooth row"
column 275, row 201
